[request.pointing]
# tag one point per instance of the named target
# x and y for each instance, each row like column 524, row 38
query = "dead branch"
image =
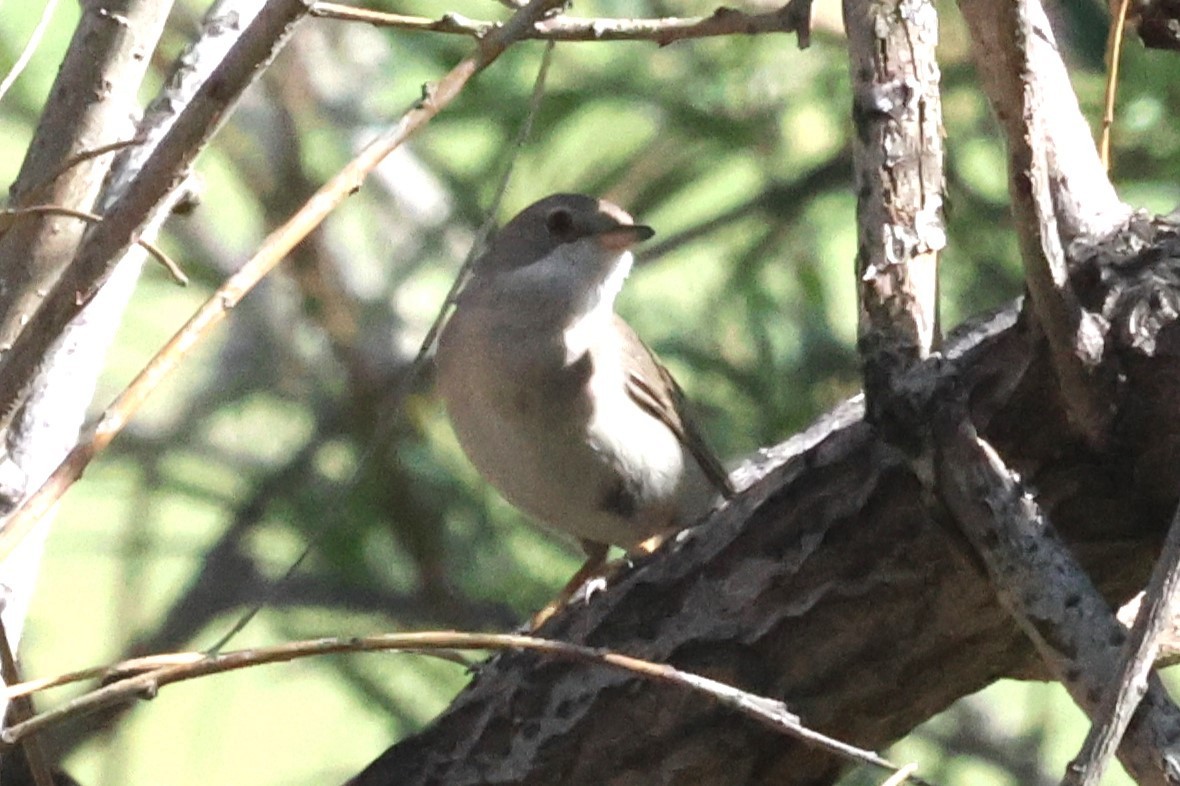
column 794, row 17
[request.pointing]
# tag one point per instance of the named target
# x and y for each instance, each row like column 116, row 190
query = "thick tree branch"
column 897, row 152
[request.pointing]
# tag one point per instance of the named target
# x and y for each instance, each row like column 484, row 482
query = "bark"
column 833, row 583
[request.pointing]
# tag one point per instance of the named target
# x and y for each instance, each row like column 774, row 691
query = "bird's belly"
column 603, row 470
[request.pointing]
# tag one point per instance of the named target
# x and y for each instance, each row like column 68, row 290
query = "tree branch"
column 1020, row 68
column 794, row 17
column 90, row 105
column 1047, row 592
column 897, row 155
column 1124, row 693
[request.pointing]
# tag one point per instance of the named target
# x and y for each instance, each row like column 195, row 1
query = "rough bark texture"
column 833, row 584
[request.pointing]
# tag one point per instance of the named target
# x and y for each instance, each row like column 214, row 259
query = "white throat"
column 597, row 309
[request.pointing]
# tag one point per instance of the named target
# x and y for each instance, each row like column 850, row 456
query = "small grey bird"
column 555, row 400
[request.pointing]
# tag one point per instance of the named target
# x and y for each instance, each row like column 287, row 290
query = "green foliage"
column 278, row 435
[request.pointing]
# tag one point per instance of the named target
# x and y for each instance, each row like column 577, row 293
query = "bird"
column 554, row 398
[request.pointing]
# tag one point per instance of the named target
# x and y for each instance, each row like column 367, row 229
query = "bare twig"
column 793, row 17
column 1125, row 692
column 8, row 217
column 485, row 229
column 273, row 250
column 1114, row 51
column 1067, row 619
column 30, row 47
column 185, row 666
column 901, row 776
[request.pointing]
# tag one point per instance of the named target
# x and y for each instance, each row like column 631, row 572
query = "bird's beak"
column 622, row 236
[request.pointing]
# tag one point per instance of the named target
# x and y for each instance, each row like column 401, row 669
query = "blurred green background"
column 735, row 150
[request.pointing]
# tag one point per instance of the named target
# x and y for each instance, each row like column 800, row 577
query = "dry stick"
column 485, row 230
column 274, row 248
column 41, row 190
column 27, row 53
column 901, row 776
column 20, row 709
column 791, row 18
column 1109, row 721
column 8, row 217
column 1114, row 49
column 769, row 712
column 393, row 405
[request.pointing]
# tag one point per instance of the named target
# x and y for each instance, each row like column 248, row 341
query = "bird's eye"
column 560, row 223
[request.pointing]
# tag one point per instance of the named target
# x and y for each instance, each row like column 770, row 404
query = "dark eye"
column 560, row 223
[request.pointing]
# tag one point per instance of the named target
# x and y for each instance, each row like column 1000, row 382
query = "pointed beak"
column 622, row 236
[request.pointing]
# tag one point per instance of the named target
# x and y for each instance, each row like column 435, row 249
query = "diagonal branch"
column 149, row 674
column 1126, row 691
column 1066, row 618
column 1060, row 191
column 90, row 105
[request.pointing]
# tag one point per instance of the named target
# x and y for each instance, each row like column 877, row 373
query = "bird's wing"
column 667, row 403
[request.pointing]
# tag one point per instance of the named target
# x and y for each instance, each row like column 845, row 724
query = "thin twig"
column 20, row 709
column 901, row 776
column 273, row 250
column 771, row 713
column 1110, row 719
column 791, row 18
column 1114, row 51
column 30, row 48
column 8, row 217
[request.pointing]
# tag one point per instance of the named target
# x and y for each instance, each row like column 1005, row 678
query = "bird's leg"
column 595, row 560
column 650, row 545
